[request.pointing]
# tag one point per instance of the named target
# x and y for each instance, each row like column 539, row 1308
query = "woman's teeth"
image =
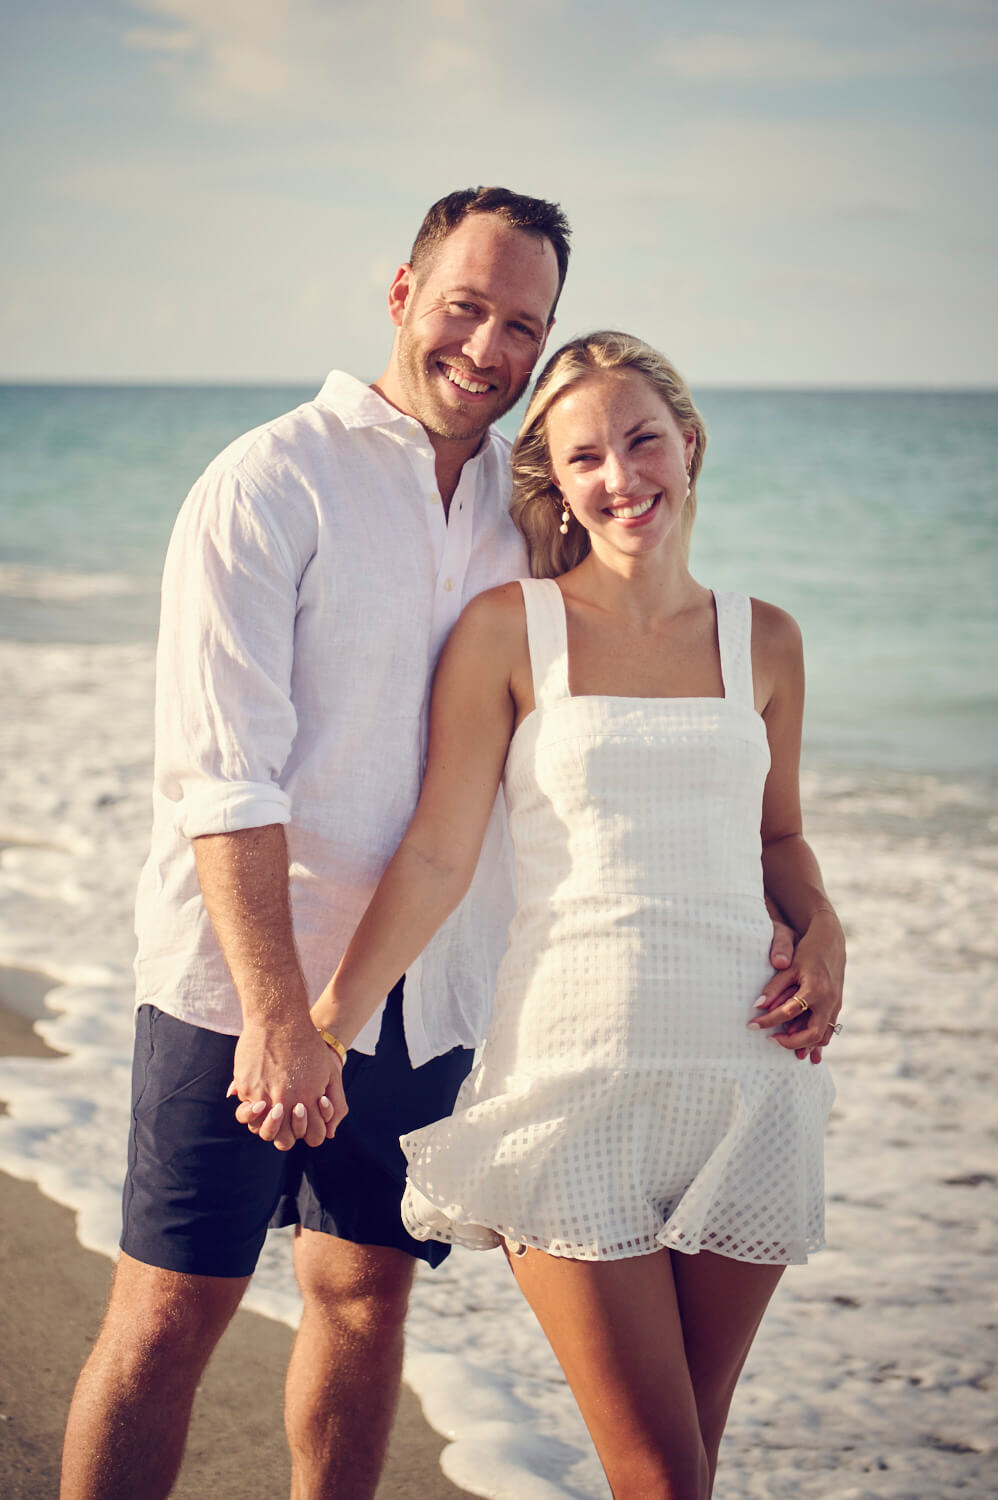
column 630, row 512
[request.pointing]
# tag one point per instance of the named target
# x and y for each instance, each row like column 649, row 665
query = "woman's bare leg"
column 721, row 1303
column 615, row 1328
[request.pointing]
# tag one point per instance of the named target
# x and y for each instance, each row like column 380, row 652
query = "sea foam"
column 873, row 1373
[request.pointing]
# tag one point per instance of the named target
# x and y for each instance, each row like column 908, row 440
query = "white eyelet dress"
column 619, row 1104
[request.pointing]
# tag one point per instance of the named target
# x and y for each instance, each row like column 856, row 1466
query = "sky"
column 775, row 194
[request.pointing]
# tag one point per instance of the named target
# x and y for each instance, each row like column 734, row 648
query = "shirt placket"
column 451, row 537
column 450, row 597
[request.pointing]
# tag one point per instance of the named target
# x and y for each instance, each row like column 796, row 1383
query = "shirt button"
column 448, row 584
column 434, row 499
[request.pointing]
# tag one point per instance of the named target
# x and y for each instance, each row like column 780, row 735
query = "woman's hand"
column 806, row 998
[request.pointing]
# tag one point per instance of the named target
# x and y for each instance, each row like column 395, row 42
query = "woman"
column 640, row 1139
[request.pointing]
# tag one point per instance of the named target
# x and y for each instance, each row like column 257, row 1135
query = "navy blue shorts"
column 201, row 1191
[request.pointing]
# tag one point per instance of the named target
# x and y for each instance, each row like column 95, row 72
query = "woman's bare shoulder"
column 498, row 609
column 775, row 633
column 492, row 626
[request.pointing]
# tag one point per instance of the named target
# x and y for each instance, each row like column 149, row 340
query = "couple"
column 647, row 1160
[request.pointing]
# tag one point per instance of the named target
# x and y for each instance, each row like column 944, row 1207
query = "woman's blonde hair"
column 537, row 503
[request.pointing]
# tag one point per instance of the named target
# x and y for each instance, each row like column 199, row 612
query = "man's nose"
column 482, row 346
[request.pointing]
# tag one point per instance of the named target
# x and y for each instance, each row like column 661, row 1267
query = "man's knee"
column 158, row 1317
column 364, row 1286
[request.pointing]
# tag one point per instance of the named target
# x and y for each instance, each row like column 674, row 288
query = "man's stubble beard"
column 416, row 372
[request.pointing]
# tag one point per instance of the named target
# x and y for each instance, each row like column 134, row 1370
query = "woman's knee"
column 676, row 1471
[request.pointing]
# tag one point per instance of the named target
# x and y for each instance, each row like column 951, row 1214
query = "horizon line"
column 125, row 382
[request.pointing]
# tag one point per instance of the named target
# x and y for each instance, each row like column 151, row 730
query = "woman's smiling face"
column 620, row 460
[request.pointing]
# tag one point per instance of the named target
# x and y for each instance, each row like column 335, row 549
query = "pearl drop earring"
column 566, row 516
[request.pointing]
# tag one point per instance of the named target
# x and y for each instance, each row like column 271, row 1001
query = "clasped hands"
column 288, row 1083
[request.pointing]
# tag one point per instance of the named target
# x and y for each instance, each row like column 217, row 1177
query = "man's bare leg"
column 130, row 1413
column 346, row 1366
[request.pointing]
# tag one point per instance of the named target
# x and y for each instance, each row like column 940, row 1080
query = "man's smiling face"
column 471, row 326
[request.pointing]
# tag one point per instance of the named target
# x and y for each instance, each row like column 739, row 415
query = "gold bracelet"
column 334, row 1042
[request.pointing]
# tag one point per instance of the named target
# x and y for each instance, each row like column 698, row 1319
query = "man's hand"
column 806, row 997
column 282, row 1068
column 288, row 1083
column 781, row 949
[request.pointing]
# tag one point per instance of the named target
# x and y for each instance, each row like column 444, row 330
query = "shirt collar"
column 359, row 405
column 356, row 404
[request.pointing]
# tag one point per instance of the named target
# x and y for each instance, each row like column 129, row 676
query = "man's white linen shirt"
column 311, row 581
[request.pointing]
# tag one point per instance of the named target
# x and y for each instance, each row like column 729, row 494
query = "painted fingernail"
column 231, row 1089
column 259, row 1107
column 325, row 1103
column 762, row 1000
column 277, row 1113
column 299, row 1112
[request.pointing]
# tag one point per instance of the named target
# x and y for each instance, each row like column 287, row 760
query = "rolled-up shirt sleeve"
column 225, row 721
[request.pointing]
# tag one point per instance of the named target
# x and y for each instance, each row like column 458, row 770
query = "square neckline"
column 724, row 697
column 732, row 701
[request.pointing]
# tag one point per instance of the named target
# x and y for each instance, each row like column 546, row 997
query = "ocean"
column 873, row 518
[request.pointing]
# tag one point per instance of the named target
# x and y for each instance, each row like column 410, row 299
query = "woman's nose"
column 618, row 472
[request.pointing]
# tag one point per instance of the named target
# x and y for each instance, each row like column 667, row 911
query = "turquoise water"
column 872, row 517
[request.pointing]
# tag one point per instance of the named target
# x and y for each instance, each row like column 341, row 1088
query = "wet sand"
column 52, row 1295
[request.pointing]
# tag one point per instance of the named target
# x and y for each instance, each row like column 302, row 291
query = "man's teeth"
column 628, row 512
column 474, row 386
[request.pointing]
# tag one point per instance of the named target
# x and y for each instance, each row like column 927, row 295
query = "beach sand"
column 53, row 1292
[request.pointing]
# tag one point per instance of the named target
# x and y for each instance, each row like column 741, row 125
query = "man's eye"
column 523, row 328
column 464, row 307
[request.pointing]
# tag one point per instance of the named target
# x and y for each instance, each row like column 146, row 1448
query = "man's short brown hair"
column 533, row 215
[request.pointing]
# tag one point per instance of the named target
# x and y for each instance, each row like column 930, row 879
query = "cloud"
column 776, row 57
column 145, row 39
column 311, row 58
column 226, row 57
column 760, row 174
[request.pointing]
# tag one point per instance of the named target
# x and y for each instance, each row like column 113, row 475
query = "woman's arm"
column 790, row 870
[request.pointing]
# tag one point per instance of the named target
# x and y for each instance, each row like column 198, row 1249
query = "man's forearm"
column 244, row 881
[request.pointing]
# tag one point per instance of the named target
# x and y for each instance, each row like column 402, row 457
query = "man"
column 313, row 576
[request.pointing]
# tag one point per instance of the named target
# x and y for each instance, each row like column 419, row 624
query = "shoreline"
column 53, row 1292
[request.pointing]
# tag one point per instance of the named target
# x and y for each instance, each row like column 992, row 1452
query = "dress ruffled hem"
column 482, row 1176
column 425, row 1220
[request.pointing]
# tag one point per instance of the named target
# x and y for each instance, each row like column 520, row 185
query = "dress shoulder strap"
column 547, row 638
column 734, row 637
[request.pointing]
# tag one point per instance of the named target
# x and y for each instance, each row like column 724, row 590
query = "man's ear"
column 401, row 289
